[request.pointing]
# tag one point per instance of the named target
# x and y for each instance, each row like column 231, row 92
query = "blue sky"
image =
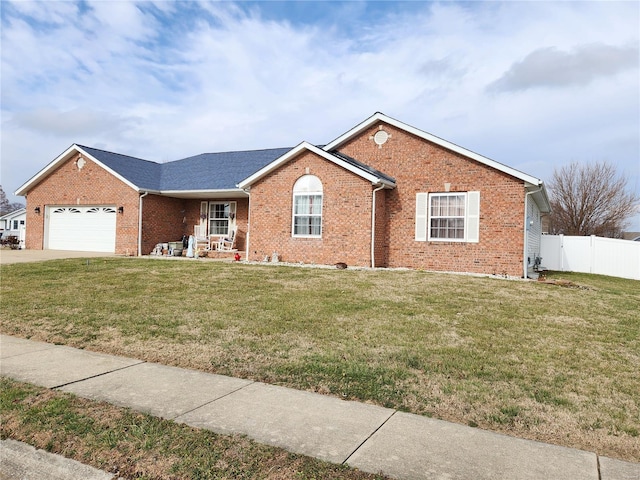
column 534, row 85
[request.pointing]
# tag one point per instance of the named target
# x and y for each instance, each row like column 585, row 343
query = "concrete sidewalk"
column 368, row 437
column 19, row 461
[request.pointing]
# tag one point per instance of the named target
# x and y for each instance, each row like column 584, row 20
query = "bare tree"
column 5, row 206
column 590, row 199
column 4, row 202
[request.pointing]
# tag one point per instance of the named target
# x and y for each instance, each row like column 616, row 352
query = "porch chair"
column 227, row 244
column 202, row 242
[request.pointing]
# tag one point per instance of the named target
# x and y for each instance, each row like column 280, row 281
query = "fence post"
column 592, row 253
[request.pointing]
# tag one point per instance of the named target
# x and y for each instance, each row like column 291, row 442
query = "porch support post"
column 246, row 240
column 140, row 224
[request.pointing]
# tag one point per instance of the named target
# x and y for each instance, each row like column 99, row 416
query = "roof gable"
column 380, row 117
column 107, row 160
column 16, row 213
column 348, row 163
column 204, row 172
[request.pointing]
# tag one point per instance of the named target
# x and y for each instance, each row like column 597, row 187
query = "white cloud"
column 46, row 13
column 79, row 122
column 550, row 67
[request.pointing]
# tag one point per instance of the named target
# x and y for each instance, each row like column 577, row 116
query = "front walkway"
column 371, row 438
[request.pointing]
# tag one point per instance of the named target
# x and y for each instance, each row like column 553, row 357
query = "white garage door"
column 87, row 229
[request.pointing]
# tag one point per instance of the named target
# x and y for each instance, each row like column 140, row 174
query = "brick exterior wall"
column 418, row 166
column 381, row 237
column 90, row 185
column 163, row 220
column 346, row 218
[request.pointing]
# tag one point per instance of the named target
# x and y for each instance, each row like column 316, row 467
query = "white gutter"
column 373, row 225
column 246, row 240
column 524, row 255
column 140, row 224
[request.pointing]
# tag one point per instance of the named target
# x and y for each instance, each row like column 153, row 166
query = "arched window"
column 307, row 207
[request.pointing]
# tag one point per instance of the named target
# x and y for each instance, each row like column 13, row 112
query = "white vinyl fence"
column 604, row 256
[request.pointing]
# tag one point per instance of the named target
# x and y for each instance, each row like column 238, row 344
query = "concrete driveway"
column 8, row 256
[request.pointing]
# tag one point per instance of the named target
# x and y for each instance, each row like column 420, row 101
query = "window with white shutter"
column 421, row 216
column 448, row 217
column 472, row 233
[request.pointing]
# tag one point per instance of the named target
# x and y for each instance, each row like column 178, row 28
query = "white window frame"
column 470, row 217
column 229, row 217
column 309, row 187
column 434, row 216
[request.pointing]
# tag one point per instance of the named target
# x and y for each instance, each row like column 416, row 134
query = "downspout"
column 524, row 255
column 140, row 224
column 246, row 241
column 373, row 226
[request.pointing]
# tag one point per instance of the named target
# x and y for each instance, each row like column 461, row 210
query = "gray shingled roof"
column 216, row 171
column 144, row 174
column 207, row 171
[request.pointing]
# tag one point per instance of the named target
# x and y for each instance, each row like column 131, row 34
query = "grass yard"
column 556, row 363
column 133, row 445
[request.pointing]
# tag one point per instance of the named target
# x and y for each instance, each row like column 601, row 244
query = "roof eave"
column 63, row 157
column 204, row 194
column 15, row 213
column 381, row 182
column 376, row 117
column 110, row 170
column 37, row 178
column 295, row 151
column 539, row 193
column 250, row 180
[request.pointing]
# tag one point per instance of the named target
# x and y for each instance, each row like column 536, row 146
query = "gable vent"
column 381, row 137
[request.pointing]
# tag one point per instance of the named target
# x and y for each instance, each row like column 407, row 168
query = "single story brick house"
column 383, row 194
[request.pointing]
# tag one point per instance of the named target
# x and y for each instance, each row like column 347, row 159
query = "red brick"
column 417, row 166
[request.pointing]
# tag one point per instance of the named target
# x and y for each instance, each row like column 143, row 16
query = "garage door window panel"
column 82, row 228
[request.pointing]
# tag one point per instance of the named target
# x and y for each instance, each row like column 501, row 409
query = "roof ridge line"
column 230, row 151
column 116, row 153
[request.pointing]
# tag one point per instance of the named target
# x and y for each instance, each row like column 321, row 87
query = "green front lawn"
column 133, row 445
column 556, row 363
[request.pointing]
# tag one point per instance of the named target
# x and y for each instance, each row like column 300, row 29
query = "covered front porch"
column 213, row 227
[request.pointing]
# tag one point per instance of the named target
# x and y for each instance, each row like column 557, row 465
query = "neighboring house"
column 383, row 194
column 634, row 236
column 14, row 224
